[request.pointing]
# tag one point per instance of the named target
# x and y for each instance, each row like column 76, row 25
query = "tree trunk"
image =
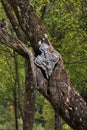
column 15, row 109
column 29, row 97
column 57, row 89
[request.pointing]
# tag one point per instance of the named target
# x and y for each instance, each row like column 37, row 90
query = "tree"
column 57, row 89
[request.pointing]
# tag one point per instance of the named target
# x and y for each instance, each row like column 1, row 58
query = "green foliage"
column 44, row 114
column 6, row 117
column 48, row 115
column 38, row 5
column 2, row 13
column 38, row 127
column 66, row 127
column 7, row 86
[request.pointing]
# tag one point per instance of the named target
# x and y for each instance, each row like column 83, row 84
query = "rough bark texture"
column 58, row 89
column 29, row 22
column 29, row 95
column 64, row 99
column 11, row 41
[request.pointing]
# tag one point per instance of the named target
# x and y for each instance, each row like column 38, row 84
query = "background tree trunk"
column 15, row 107
column 19, row 87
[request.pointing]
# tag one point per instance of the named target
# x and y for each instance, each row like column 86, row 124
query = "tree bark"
column 30, row 84
column 15, row 107
column 29, row 22
column 58, row 89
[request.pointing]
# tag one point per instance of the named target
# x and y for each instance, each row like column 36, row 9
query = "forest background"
column 66, row 25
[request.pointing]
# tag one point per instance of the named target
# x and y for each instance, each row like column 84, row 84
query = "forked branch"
column 9, row 39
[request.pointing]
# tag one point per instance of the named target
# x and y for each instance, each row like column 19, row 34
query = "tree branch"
column 7, row 38
column 10, row 14
column 29, row 23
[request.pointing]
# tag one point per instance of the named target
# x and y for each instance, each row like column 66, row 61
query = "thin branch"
column 50, row 6
column 43, row 12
